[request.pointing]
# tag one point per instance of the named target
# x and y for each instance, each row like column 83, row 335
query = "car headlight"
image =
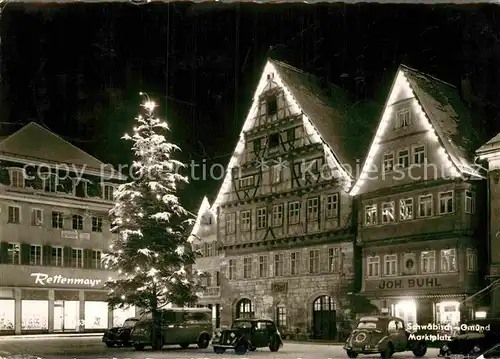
column 445, row 348
column 476, row 349
column 218, row 334
column 232, row 335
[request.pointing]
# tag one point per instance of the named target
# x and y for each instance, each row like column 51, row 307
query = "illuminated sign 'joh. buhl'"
column 44, row 279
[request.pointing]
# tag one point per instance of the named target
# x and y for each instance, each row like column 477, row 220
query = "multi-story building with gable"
column 54, row 203
column 490, row 152
column 284, row 218
column 419, row 227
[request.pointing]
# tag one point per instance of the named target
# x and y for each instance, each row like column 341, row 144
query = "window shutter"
column 47, row 255
column 67, row 256
column 87, row 258
column 4, row 247
column 25, row 253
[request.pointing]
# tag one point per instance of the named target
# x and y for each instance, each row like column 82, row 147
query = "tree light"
column 149, row 105
column 123, row 297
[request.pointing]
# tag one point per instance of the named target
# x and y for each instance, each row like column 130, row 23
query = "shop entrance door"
column 59, row 316
column 66, row 315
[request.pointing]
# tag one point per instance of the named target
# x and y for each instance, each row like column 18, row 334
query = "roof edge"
column 427, row 75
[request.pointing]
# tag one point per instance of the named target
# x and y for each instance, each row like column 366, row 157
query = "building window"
column 403, row 158
column 247, row 267
column 36, row 217
column 314, row 261
column 230, row 223
column 332, row 205
column 293, row 212
column 281, row 316
column 17, row 177
column 263, row 266
column 209, row 250
column 312, row 209
column 77, row 258
column 14, row 214
column 274, row 141
column 96, row 224
column 425, row 206
column 403, row 118
column 388, row 164
column 428, row 262
column 373, row 266
column 294, row 263
column 371, row 214
column 261, row 218
column 108, row 192
column 246, row 182
column 57, row 256
column 419, row 154
column 57, row 220
column 278, row 215
column 390, row 264
column 276, row 173
column 96, row 259
column 471, row 260
column 245, row 220
column 470, row 202
column 35, row 255
column 406, row 209
column 278, row 264
column 271, row 105
column 446, row 202
column 333, row 260
column 50, row 183
column 77, row 222
column 232, row 269
column 14, row 253
column 448, row 260
column 388, row 212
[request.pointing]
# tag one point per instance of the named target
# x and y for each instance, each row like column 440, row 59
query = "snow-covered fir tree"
column 152, row 252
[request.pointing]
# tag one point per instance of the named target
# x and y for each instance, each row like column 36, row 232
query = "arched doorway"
column 324, row 318
column 244, row 309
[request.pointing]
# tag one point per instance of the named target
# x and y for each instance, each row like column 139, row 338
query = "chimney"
column 466, row 90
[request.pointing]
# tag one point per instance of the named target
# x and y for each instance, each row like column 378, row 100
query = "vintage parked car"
column 181, row 326
column 384, row 335
column 248, row 334
column 119, row 336
column 491, row 353
column 475, row 337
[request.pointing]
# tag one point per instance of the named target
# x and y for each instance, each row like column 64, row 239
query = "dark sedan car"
column 119, row 336
column 475, row 337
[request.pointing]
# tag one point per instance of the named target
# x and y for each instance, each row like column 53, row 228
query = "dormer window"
column 108, row 192
column 272, row 105
column 403, row 118
column 80, row 187
column 50, row 182
column 17, row 177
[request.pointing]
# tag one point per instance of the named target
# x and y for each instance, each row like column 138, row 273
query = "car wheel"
column 241, row 348
column 351, row 354
column 274, row 346
column 110, row 344
column 139, row 346
column 420, row 349
column 184, row 346
column 387, row 353
column 219, row 350
column 203, row 341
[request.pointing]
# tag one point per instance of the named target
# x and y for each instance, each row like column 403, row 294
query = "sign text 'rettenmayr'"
column 44, row 279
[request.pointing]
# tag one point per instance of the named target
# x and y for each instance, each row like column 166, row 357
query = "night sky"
column 77, row 69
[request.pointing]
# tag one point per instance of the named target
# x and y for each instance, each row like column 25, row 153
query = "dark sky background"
column 78, row 69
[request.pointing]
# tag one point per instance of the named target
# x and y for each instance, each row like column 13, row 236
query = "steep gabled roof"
column 35, row 143
column 445, row 112
column 490, row 147
column 204, row 207
column 448, row 115
column 343, row 124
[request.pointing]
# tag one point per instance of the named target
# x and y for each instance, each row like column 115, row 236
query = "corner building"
column 283, row 214
column 419, row 231
column 54, row 203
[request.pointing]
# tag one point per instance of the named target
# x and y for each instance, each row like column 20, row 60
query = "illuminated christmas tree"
column 152, row 252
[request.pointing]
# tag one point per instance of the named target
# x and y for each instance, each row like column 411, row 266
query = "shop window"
column 35, row 314
column 7, row 316
column 96, row 315
column 406, row 310
column 120, row 315
column 448, row 312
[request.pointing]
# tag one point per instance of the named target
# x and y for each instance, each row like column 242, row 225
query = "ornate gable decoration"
column 269, row 80
column 403, row 88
